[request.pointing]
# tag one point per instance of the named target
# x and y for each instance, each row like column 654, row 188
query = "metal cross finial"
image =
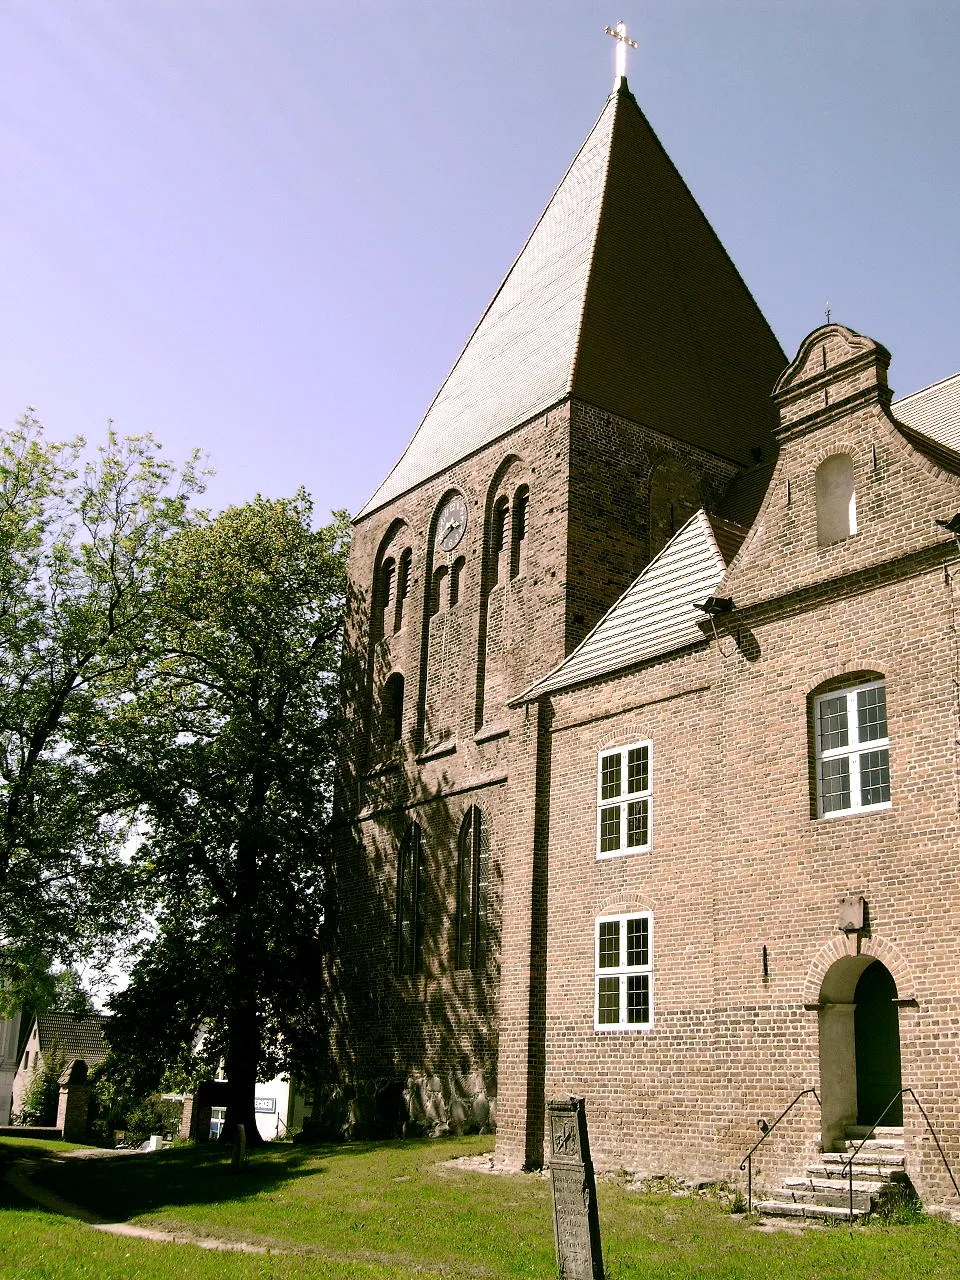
column 828, row 313
column 619, row 33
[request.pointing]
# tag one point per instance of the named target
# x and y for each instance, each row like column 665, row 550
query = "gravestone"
column 239, row 1156
column 576, row 1224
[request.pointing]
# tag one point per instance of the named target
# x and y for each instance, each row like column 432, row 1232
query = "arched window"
column 501, row 520
column 393, row 707
column 473, row 875
column 411, row 888
column 436, row 590
column 456, row 580
column 385, row 591
column 836, row 499
column 403, row 587
column 521, row 501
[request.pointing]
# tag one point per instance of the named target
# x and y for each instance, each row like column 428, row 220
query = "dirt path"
column 19, row 1178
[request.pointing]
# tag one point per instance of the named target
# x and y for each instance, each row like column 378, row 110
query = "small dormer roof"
column 656, row 615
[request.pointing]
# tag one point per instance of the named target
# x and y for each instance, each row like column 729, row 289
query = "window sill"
column 437, row 751
column 854, row 813
column 489, row 732
column 385, row 767
column 609, row 1027
column 624, row 853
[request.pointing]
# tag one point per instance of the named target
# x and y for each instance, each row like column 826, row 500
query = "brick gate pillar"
column 74, row 1105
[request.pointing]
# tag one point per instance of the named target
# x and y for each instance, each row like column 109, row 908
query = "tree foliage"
column 78, row 546
column 225, row 752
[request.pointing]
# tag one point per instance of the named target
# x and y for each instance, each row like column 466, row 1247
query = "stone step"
column 789, row 1209
column 882, row 1159
column 870, row 1186
column 861, row 1171
column 857, row 1132
column 892, row 1145
column 837, row 1196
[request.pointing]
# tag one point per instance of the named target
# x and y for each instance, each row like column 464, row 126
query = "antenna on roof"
column 619, row 33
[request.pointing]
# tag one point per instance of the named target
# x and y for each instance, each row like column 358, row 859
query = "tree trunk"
column 242, row 1060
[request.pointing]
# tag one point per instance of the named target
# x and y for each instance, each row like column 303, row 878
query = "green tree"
column 78, row 546
column 226, row 754
column 42, row 1096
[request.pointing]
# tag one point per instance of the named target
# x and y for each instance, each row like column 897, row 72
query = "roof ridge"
column 620, row 90
column 911, row 395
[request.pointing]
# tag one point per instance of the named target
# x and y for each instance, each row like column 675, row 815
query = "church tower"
column 618, row 380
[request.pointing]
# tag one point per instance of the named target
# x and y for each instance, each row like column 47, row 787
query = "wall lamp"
column 952, row 525
column 721, row 604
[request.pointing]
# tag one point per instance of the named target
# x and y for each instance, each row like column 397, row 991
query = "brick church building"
column 654, row 680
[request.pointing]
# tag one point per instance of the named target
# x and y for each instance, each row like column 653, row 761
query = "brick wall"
column 740, row 862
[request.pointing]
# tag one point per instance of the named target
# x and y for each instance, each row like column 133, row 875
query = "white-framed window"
column 624, row 800
column 623, row 990
column 853, row 750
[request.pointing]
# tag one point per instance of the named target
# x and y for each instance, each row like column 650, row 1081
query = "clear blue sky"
column 265, row 227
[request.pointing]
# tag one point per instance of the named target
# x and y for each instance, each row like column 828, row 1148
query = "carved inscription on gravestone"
column 576, row 1225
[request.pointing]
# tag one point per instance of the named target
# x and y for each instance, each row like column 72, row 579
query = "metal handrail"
column 747, row 1161
column 848, row 1167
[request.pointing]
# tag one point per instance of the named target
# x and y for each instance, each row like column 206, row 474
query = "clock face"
column 452, row 524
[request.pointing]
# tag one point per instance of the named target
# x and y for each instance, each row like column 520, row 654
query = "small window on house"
column 386, row 586
column 836, row 499
column 436, row 590
column 501, row 519
column 853, row 750
column 473, row 874
column 393, row 707
column 456, row 580
column 623, row 995
column 624, row 799
column 411, row 888
column 403, row 588
column 521, row 502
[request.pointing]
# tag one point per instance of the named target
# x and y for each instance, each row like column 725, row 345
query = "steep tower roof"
column 622, row 297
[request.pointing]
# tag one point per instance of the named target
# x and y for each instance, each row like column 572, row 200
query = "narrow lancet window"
column 436, row 590
column 393, row 708
column 521, row 501
column 501, row 520
column 473, row 874
column 456, row 580
column 411, row 886
column 386, row 592
column 403, row 587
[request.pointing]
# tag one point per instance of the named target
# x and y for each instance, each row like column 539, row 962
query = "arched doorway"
column 876, row 1023
column 859, row 1046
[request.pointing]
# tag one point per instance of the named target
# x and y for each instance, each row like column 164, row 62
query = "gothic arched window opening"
column 403, row 587
column 456, row 580
column 385, row 591
column 393, row 707
column 473, row 875
column 521, row 501
column 436, row 590
column 498, row 542
column 411, row 890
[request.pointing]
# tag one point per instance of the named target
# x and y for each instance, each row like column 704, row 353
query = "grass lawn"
column 394, row 1211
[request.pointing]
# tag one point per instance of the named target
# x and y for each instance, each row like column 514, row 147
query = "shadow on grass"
column 118, row 1188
